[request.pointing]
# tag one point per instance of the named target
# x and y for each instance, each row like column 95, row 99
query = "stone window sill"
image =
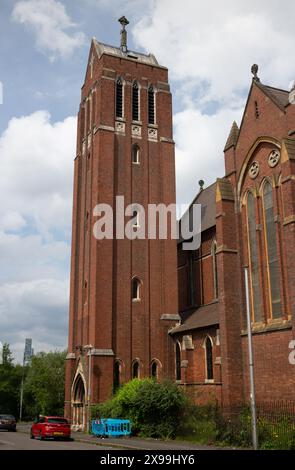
column 271, row 325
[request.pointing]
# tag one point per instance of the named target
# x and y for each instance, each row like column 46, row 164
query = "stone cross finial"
column 254, row 71
column 124, row 22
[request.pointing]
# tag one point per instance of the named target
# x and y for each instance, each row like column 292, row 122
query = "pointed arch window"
column 154, row 370
column 117, row 372
column 135, row 370
column 136, row 284
column 119, row 98
column 272, row 252
column 214, row 265
column 135, row 154
column 177, row 361
column 209, row 358
column 151, row 105
column 135, row 219
column 254, row 259
column 135, row 102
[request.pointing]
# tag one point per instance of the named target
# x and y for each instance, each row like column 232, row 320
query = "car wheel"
column 32, row 436
column 41, row 437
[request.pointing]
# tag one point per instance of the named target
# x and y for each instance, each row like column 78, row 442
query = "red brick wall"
column 274, row 375
column 194, row 376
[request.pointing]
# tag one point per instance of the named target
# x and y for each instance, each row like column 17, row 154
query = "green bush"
column 154, row 409
column 273, row 433
column 200, row 424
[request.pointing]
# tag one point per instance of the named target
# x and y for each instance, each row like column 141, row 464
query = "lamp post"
column 251, row 366
column 22, row 391
column 89, row 348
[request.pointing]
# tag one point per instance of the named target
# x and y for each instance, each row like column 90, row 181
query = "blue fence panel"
column 111, row 427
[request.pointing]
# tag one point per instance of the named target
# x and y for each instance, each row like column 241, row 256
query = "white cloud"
column 51, row 25
column 37, row 170
column 36, row 158
column 34, row 309
column 215, row 43
column 199, row 149
column 209, row 48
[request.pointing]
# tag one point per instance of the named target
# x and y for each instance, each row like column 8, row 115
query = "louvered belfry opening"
column 135, row 102
column 119, row 98
column 151, row 105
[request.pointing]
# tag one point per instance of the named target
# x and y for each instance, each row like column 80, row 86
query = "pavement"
column 21, row 438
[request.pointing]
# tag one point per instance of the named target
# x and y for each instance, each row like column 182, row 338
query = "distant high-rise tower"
column 28, row 352
column 123, row 293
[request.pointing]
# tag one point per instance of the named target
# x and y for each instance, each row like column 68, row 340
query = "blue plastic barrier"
column 111, row 427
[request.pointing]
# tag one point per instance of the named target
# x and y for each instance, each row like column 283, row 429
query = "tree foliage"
column 10, row 383
column 44, row 384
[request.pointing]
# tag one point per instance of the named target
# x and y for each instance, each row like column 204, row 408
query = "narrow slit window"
column 151, row 105
column 119, row 98
column 135, row 370
column 177, row 362
column 215, row 272
column 135, row 154
column 154, row 371
column 117, row 371
column 135, row 102
column 135, row 219
column 135, row 289
column 209, row 359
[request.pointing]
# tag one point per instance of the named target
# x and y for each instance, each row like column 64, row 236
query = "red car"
column 51, row 426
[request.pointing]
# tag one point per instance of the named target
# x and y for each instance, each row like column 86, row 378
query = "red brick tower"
column 123, row 293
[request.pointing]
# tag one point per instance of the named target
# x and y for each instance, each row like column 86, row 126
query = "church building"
column 148, row 307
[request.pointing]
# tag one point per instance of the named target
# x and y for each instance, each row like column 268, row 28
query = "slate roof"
column 278, row 96
column 203, row 317
column 290, row 145
column 207, row 199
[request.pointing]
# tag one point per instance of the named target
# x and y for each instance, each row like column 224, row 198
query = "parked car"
column 51, row 427
column 8, row 422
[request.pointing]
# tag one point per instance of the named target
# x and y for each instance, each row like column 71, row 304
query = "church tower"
column 123, row 293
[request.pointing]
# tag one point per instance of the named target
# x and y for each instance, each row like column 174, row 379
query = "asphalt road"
column 22, row 441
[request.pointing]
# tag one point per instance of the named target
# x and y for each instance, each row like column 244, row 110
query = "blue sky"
column 209, row 49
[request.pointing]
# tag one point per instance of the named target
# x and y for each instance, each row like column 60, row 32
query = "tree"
column 44, row 384
column 7, row 358
column 10, row 381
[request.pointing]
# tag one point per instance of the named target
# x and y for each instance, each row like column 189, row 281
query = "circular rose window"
column 254, row 170
column 274, row 158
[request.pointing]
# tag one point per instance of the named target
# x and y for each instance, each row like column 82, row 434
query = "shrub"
column 200, row 424
column 154, row 409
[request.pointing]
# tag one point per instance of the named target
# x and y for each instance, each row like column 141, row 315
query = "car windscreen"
column 57, row 421
column 7, row 417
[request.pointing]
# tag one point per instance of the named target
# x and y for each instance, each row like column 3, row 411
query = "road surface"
column 22, row 441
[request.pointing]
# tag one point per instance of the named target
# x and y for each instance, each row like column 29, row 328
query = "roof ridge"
column 117, row 47
column 268, row 91
column 274, row 88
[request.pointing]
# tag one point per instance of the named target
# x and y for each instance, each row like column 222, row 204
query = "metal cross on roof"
column 124, row 22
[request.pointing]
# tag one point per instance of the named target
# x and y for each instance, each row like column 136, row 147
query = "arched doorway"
column 79, row 408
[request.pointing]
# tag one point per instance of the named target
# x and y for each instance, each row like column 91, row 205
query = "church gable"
column 264, row 107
